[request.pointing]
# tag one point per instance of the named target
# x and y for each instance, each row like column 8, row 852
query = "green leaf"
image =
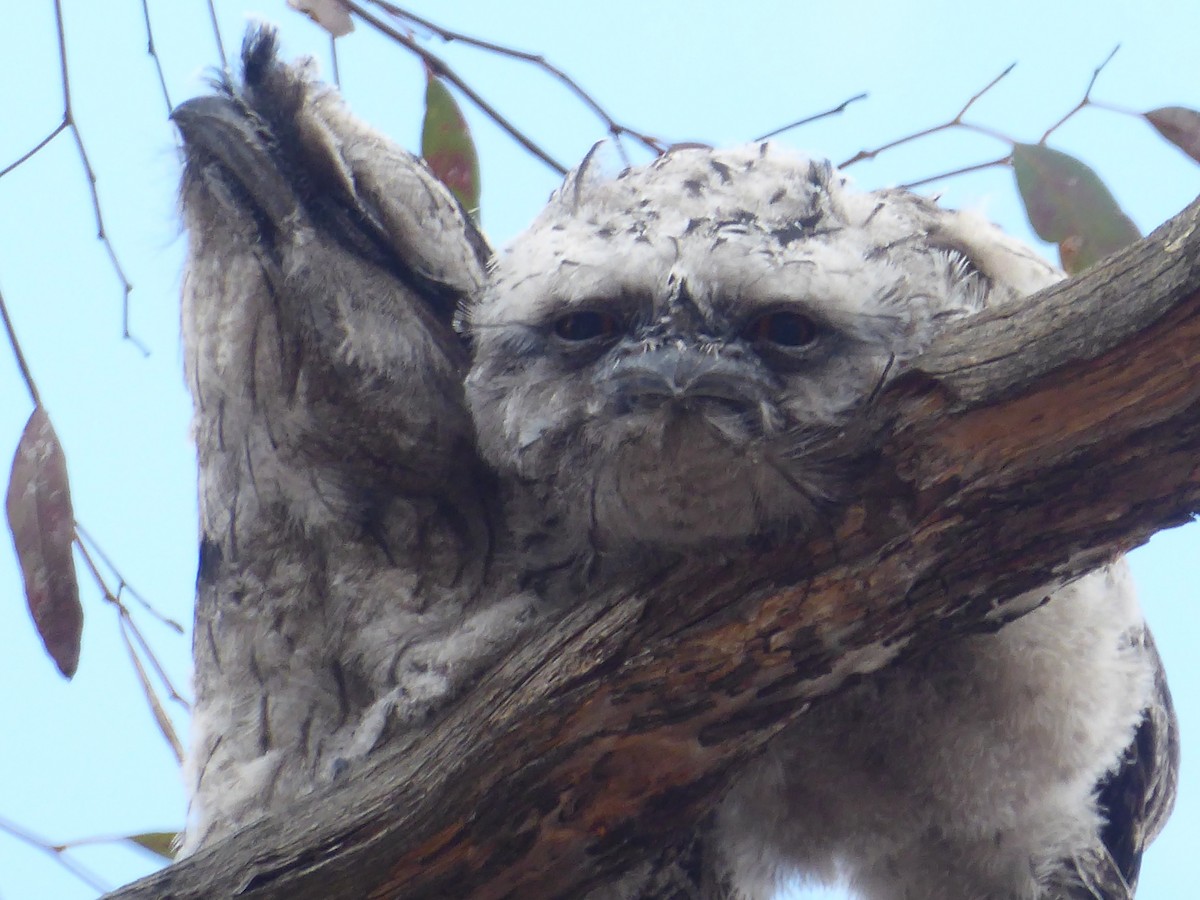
column 43, row 530
column 1069, row 205
column 446, row 144
column 160, row 843
column 1180, row 126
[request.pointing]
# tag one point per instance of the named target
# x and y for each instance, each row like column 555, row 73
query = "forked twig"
column 1087, row 96
column 127, row 624
column 615, row 128
column 439, row 67
column 956, row 122
column 123, row 585
column 57, row 852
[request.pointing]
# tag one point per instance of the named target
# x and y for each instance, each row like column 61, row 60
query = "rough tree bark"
column 1034, row 443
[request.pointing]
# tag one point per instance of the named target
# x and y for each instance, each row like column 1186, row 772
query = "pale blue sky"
column 83, row 758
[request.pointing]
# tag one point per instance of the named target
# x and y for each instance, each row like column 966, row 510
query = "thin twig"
column 95, row 839
column 615, row 128
column 333, row 57
column 69, row 122
column 20, row 357
column 125, row 620
column 841, row 107
column 172, row 692
column 956, row 122
column 1116, row 108
column 25, row 157
column 1087, row 96
column 977, row 167
column 58, row 853
column 212, row 17
column 123, row 585
column 161, row 719
column 438, row 66
column 162, row 80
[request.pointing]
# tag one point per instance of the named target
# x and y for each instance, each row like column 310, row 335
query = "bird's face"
column 673, row 351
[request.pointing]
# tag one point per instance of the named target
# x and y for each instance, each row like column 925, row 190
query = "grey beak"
column 675, row 374
column 218, row 129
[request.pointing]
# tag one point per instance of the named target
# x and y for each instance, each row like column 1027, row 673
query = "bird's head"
column 674, row 350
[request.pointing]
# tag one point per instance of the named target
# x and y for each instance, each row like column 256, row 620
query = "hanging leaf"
column 43, row 529
column 1180, row 126
column 1069, row 205
column 446, row 144
column 331, row 15
column 160, row 843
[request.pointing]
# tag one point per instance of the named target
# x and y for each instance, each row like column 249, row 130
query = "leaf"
column 160, row 843
column 331, row 15
column 1069, row 205
column 43, row 529
column 446, row 144
column 1180, row 126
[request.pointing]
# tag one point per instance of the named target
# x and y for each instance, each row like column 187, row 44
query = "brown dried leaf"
column 43, row 529
column 1180, row 126
column 1069, row 205
column 332, row 15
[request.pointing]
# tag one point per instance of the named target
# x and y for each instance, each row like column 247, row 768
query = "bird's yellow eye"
column 782, row 329
column 585, row 325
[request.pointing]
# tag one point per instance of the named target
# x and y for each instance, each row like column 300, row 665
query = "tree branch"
column 1031, row 444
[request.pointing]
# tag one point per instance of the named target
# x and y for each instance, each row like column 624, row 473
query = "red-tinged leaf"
column 160, row 843
column 446, row 144
column 332, row 15
column 43, row 529
column 1180, row 126
column 1069, row 205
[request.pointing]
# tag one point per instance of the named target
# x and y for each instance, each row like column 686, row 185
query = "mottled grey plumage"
column 656, row 370
column 345, row 519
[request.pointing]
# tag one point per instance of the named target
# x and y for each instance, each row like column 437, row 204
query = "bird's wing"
column 1137, row 797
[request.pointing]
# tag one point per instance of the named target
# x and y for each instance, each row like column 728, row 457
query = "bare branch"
column 977, row 167
column 616, row 129
column 956, row 122
column 161, row 719
column 69, row 122
column 173, row 693
column 126, row 622
column 212, row 17
column 162, row 80
column 439, row 67
column 1087, row 97
column 56, row 851
column 841, row 107
column 123, row 585
column 22, row 364
column 30, row 154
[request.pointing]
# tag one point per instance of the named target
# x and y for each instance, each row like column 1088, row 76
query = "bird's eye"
column 782, row 329
column 585, row 325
